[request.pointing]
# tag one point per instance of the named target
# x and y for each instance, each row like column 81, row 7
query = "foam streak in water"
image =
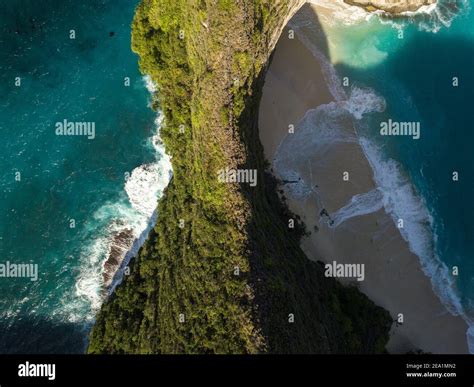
column 361, row 204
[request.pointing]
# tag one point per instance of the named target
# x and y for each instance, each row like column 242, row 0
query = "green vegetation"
column 183, row 295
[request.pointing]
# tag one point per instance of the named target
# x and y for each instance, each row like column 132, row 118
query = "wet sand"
column 393, row 276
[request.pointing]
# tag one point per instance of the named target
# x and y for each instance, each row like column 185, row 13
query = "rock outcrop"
column 391, row 6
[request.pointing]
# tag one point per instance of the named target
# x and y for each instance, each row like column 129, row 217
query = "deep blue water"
column 63, row 177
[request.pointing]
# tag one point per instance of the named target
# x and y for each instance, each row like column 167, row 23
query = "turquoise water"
column 414, row 73
column 64, row 178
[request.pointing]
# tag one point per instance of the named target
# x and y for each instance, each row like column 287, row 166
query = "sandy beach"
column 394, row 280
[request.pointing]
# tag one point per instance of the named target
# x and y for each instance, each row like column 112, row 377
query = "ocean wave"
column 150, row 85
column 361, row 204
column 429, row 18
column 401, row 201
column 314, row 136
column 441, row 15
column 316, row 133
column 149, row 180
column 322, row 127
column 127, row 223
column 363, row 101
column 118, row 224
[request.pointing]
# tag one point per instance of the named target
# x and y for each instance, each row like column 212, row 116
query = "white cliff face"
column 391, row 6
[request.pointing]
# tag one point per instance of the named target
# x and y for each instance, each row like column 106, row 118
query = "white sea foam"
column 363, row 101
column 439, row 16
column 361, row 204
column 133, row 215
column 315, row 134
column 149, row 180
column 401, row 201
column 149, row 84
column 430, row 18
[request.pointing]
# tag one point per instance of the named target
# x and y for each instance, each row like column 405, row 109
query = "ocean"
column 64, row 198
column 420, row 68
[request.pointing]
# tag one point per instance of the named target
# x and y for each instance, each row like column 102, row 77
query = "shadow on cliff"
column 299, row 310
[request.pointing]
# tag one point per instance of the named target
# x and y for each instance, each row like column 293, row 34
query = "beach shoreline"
column 295, row 94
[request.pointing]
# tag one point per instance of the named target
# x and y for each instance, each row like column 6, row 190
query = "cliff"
column 391, row 6
column 222, row 272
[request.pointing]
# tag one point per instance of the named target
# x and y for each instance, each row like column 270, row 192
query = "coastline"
column 219, row 226
column 144, row 188
column 394, row 278
column 124, row 236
